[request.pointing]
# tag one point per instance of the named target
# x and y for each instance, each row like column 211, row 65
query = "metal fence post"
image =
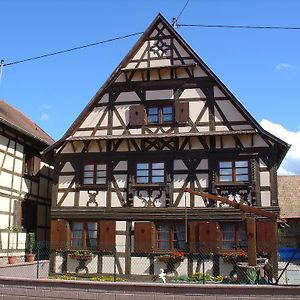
column 37, row 260
column 115, row 263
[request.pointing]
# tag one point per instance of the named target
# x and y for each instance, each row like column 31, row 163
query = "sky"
column 260, row 67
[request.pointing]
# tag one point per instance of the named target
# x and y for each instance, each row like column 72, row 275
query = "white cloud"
column 282, row 66
column 44, row 116
column 46, row 107
column 291, row 164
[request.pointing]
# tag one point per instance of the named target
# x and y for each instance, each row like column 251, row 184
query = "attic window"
column 160, row 114
column 94, row 174
column 234, row 171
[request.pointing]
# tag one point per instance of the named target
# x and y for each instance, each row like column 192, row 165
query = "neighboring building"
column 289, row 203
column 162, row 122
column 25, row 180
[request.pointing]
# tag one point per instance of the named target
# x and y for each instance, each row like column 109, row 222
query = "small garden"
column 198, row 278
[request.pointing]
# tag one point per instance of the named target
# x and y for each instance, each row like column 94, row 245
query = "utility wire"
column 72, row 49
column 238, row 26
column 179, row 15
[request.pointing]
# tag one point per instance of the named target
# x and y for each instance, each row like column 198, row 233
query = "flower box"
column 81, row 255
column 170, row 259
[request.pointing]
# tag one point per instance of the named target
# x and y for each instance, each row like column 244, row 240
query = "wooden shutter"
column 143, row 237
column 36, row 165
column 208, row 237
column 266, row 233
column 182, row 112
column 59, row 234
column 137, row 115
column 107, row 235
column 193, row 235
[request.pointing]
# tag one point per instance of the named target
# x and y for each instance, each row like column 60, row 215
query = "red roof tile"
column 14, row 118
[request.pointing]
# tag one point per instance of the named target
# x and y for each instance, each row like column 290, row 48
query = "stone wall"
column 29, row 289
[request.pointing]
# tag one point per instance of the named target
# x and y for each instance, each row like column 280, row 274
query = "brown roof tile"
column 289, row 196
column 14, row 118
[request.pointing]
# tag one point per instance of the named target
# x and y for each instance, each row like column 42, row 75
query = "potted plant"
column 173, row 257
column 81, row 254
column 234, row 257
column 13, row 233
column 30, row 256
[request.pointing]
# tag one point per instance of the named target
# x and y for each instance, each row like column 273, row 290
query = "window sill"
column 148, row 185
column 233, row 184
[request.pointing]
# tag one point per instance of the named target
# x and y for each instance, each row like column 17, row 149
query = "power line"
column 179, row 15
column 72, row 49
column 238, row 26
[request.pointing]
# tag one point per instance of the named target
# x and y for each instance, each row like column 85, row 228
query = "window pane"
column 100, row 181
column 225, row 171
column 241, row 163
column 101, row 167
column 92, row 226
column 153, row 111
column 142, row 166
column 91, row 243
column 158, row 172
column 242, row 178
column 88, row 174
column 163, row 236
column 167, row 110
column 142, row 173
column 228, row 235
column 101, row 174
column 225, row 164
column 76, row 243
column 77, row 226
column 241, row 171
column 179, row 237
column 88, row 180
column 157, row 179
column 142, row 179
column 88, row 167
column 153, row 119
column 225, row 178
column 158, row 166
column 77, row 234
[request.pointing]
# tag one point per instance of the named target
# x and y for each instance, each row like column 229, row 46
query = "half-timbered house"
column 162, row 122
column 25, row 180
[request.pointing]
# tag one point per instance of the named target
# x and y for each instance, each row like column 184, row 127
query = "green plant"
column 252, row 276
column 30, row 241
column 235, row 254
column 79, row 253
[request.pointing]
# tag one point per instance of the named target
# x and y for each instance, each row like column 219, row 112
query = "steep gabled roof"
column 14, row 118
column 281, row 145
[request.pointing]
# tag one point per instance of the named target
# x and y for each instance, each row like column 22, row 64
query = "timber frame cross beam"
column 242, row 207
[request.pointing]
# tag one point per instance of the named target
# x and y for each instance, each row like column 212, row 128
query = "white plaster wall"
column 179, row 180
column 64, row 181
column 67, row 149
column 264, row 178
column 4, row 223
column 179, row 165
column 104, row 99
column 139, row 54
column 8, row 162
column 230, row 112
column 203, row 164
column 199, row 72
column 195, row 143
column 184, row 200
column 203, row 180
column 115, row 200
column 93, row 118
column 90, row 264
column 120, row 243
column 100, row 198
column 121, row 225
column 17, row 183
column 121, row 180
column 6, row 179
column 83, row 133
column 58, row 263
column 218, row 92
column 193, row 93
column 69, row 200
column 159, row 94
column 265, row 197
column 258, row 141
column 140, row 266
column 128, row 96
column 121, row 166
